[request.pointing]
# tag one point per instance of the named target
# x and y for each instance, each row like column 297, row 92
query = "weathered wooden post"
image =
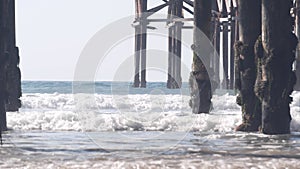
column 144, row 5
column 232, row 21
column 201, row 89
column 178, row 45
column 175, row 33
column 10, row 75
column 237, row 38
column 171, row 46
column 236, row 18
column 215, row 37
column 297, row 31
column 217, row 48
column 249, row 29
column 276, row 56
column 3, row 61
column 225, row 55
column 216, row 40
column 137, row 53
column 13, row 70
column 140, row 43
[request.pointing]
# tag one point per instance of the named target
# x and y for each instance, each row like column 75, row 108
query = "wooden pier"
column 267, row 64
column 224, row 21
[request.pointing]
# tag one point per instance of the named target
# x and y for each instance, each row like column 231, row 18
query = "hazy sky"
column 52, row 33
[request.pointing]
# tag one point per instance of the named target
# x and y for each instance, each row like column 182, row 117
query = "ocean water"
column 115, row 126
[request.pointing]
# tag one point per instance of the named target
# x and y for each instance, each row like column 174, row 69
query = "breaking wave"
column 140, row 112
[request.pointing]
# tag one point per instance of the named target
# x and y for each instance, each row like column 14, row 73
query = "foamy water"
column 140, row 131
column 58, row 112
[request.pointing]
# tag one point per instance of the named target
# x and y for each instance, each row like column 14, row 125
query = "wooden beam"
column 297, row 31
column 217, row 52
column 188, row 10
column 232, row 42
column 278, row 43
column 225, row 55
column 250, row 29
column 13, row 70
column 137, row 53
column 200, row 84
column 156, row 9
column 170, row 81
column 4, row 58
column 189, row 2
column 188, row 27
column 171, row 20
column 178, row 45
column 143, row 42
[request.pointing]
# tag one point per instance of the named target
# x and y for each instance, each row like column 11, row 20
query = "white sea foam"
column 59, row 112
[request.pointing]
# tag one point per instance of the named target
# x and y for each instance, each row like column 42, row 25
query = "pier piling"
column 10, row 75
column 297, row 31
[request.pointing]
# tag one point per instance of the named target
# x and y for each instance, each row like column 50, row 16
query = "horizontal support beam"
column 171, row 20
column 187, row 27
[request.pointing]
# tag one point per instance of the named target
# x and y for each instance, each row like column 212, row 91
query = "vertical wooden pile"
column 297, row 31
column 249, row 29
column 140, row 43
column 13, row 72
column 215, row 37
column 3, row 62
column 276, row 79
column 225, row 41
column 200, row 84
column 232, row 8
column 175, row 11
column 10, row 75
